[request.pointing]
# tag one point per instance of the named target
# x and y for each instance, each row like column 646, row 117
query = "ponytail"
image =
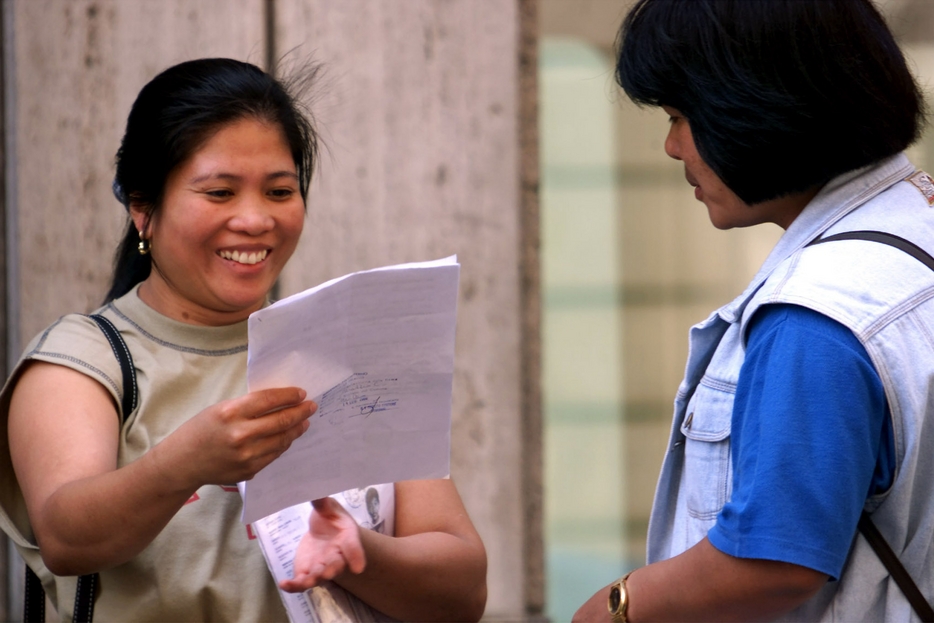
column 130, row 267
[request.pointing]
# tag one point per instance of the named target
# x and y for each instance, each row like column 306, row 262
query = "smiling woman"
column 213, row 169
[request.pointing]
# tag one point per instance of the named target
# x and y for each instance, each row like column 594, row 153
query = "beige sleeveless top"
column 205, row 565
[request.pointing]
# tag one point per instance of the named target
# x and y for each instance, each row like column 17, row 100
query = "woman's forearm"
column 704, row 584
column 104, row 520
column 432, row 576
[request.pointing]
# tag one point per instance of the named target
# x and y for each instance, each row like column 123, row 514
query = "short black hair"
column 176, row 113
column 781, row 95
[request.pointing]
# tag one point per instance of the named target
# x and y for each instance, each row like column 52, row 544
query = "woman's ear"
column 141, row 217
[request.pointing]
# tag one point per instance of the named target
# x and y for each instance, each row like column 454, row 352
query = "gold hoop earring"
column 144, row 246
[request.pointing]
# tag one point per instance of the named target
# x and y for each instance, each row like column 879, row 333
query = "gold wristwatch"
column 618, row 603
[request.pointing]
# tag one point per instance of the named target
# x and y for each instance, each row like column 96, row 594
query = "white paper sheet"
column 375, row 349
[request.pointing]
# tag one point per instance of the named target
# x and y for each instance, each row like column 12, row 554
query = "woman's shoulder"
column 74, row 341
column 72, row 334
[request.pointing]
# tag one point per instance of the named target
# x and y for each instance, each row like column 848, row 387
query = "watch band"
column 618, row 601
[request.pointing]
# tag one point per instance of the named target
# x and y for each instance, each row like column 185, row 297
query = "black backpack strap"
column 84, row 598
column 130, row 391
column 869, row 530
column 895, row 568
column 880, row 236
column 34, row 599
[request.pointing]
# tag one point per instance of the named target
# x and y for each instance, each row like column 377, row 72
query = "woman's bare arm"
column 433, row 569
column 88, row 515
column 704, row 584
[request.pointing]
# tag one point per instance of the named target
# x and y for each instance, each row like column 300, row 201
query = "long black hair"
column 781, row 95
column 175, row 113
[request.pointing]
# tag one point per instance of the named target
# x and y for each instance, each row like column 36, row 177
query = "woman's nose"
column 252, row 217
column 672, row 144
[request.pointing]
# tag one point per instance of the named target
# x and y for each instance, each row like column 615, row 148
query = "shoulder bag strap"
column 898, row 572
column 885, row 238
column 34, row 599
column 869, row 530
column 130, row 391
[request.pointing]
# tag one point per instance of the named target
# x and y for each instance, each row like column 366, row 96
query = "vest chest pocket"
column 707, row 480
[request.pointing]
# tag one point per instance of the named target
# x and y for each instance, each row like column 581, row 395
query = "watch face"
column 614, row 599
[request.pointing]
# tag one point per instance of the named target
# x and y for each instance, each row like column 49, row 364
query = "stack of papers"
column 375, row 350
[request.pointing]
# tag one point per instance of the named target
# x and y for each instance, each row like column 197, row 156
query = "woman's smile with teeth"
column 252, row 257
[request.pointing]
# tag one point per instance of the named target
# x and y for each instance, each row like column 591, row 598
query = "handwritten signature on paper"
column 354, row 397
column 378, row 405
column 369, row 409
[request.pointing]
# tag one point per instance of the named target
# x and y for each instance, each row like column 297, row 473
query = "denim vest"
column 886, row 298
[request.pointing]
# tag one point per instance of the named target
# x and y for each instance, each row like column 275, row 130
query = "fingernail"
column 302, row 393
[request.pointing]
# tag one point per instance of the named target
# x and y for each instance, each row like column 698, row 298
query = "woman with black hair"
column 214, row 169
column 806, row 401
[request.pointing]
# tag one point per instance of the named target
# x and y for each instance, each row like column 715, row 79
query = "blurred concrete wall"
column 426, row 109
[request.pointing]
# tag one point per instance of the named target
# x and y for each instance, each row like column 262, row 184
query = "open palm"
column 331, row 545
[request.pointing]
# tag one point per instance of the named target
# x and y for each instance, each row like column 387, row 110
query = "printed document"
column 375, row 350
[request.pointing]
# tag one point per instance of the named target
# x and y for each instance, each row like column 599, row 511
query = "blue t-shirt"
column 811, row 439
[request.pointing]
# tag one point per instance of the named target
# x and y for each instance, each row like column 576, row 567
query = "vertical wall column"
column 5, row 545
column 531, row 311
column 419, row 109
